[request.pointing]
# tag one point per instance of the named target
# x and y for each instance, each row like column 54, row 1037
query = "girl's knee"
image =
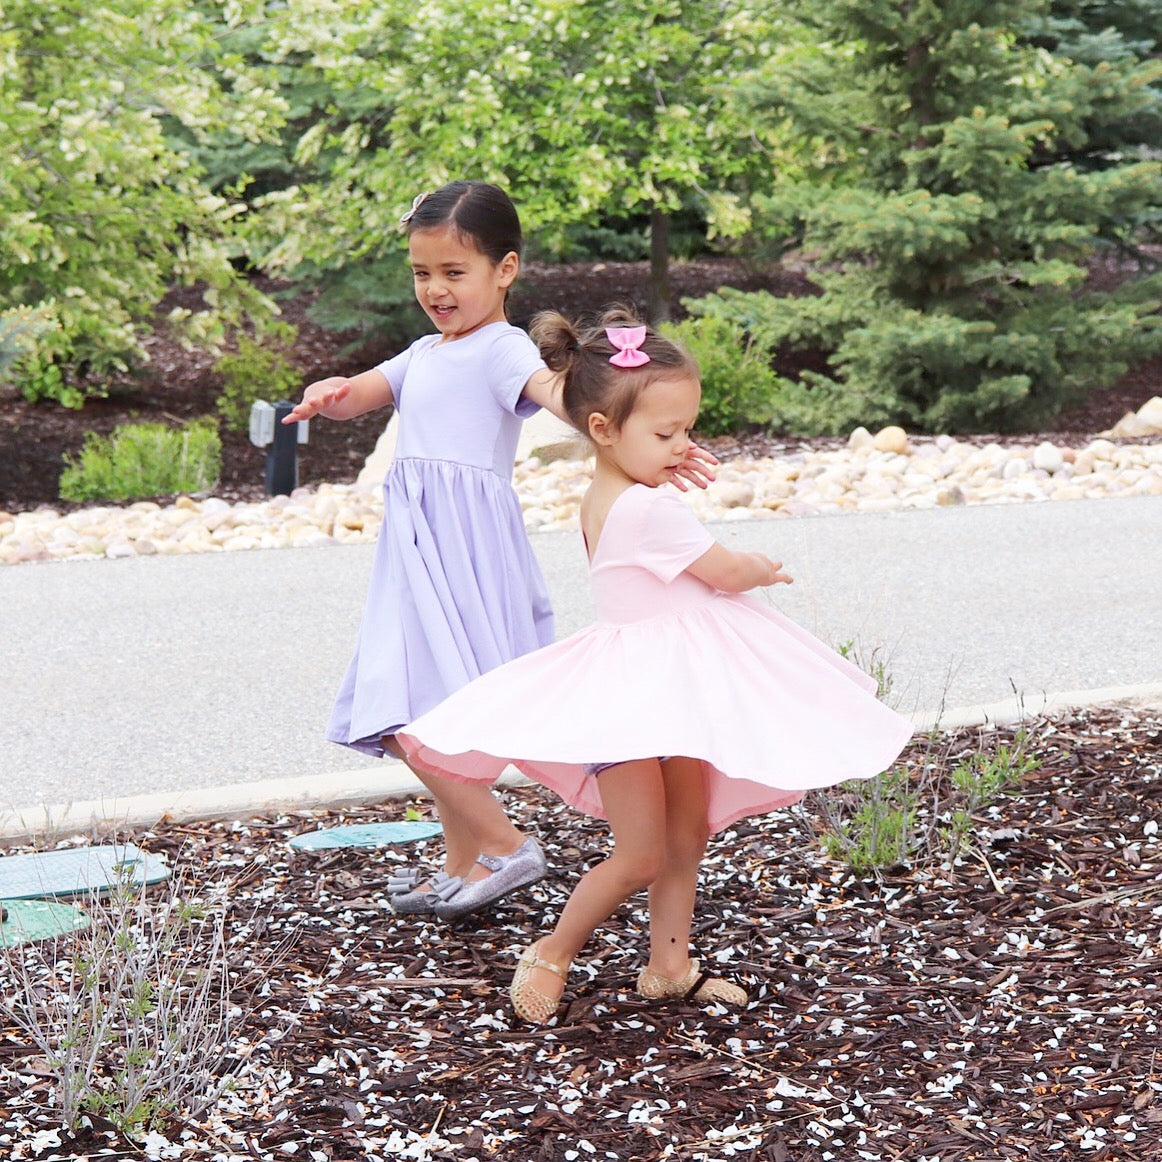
column 640, row 867
column 687, row 844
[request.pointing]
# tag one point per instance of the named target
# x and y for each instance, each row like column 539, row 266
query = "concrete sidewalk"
column 204, row 682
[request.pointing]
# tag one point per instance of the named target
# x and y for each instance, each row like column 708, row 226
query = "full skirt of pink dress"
column 671, row 667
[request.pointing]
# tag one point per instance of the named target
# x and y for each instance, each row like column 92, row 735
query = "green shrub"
column 924, row 810
column 259, row 369
column 133, row 1017
column 141, row 460
column 33, row 343
column 739, row 387
column 952, row 251
column 19, row 330
column 876, row 829
column 369, row 299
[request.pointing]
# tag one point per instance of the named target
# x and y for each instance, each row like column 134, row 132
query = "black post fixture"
column 281, row 442
column 282, row 463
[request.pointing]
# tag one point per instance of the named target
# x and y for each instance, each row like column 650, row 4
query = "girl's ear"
column 507, row 269
column 601, row 431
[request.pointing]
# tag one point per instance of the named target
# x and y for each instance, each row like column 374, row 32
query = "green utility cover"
column 76, row 871
column 365, row 835
column 30, row 920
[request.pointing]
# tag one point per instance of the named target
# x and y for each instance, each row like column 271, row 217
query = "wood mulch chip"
column 1006, row 1006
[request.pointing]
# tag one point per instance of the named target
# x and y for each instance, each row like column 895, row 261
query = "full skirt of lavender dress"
column 455, row 588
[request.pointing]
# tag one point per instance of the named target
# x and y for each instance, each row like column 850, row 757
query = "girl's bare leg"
column 473, row 820
column 672, row 893
column 634, row 799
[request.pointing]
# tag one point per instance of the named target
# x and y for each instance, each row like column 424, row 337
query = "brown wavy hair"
column 581, row 353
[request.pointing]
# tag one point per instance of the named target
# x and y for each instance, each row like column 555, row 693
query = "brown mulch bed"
column 1005, row 1005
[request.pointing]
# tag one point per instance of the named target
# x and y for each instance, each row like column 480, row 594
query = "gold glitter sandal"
column 696, row 985
column 529, row 1003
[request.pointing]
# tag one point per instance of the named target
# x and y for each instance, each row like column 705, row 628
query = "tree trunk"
column 659, row 298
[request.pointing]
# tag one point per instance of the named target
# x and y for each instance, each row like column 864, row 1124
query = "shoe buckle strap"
column 699, row 980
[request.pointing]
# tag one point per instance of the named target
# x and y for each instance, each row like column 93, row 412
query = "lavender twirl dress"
column 455, row 589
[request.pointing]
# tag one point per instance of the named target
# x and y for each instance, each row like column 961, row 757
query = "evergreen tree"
column 951, row 259
column 1117, row 84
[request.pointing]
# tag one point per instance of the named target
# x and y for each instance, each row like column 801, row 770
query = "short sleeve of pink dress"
column 670, row 538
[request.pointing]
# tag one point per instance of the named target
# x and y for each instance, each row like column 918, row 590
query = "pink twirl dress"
column 671, row 667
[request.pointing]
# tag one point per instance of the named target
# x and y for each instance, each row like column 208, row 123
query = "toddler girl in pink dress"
column 685, row 707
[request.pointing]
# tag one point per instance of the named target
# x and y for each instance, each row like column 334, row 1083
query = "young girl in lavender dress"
column 762, row 711
column 455, row 588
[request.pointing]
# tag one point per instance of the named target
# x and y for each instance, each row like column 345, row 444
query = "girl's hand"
column 772, row 571
column 698, row 468
column 318, row 397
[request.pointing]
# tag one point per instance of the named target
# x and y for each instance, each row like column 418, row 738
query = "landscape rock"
column 1048, row 457
column 859, row 477
column 731, row 493
column 1146, row 421
column 891, row 439
column 1151, row 413
column 860, row 439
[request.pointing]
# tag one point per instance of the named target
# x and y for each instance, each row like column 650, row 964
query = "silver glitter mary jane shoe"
column 413, row 892
column 507, row 873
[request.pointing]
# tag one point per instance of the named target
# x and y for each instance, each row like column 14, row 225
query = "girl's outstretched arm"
column 340, row 398
column 544, row 388
column 733, row 572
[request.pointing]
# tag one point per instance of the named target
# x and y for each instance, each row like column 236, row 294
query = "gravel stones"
column 868, row 474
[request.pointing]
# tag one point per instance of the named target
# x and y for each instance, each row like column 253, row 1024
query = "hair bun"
column 619, row 315
column 557, row 339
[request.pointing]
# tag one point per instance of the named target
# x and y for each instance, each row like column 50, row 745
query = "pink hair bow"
column 628, row 341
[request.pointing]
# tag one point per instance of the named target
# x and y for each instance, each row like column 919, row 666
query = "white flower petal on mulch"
column 932, row 1013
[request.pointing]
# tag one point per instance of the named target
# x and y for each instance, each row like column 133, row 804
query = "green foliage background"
column 144, row 460
column 946, row 172
column 100, row 213
column 948, row 234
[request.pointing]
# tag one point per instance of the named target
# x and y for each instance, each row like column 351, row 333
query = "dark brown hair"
column 478, row 211
column 593, row 384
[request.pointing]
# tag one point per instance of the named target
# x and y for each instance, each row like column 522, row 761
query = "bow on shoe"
column 628, row 341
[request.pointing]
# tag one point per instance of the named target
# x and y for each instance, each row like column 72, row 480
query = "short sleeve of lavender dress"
column 511, row 361
column 394, row 370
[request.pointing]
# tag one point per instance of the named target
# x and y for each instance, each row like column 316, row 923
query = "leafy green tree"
column 588, row 112
column 951, row 258
column 100, row 214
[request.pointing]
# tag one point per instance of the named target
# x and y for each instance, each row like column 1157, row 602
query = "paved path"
column 164, row 674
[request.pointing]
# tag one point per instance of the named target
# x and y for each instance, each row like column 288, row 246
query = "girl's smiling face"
column 459, row 288
column 654, row 439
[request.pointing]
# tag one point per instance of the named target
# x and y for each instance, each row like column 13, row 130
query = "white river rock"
column 858, row 477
